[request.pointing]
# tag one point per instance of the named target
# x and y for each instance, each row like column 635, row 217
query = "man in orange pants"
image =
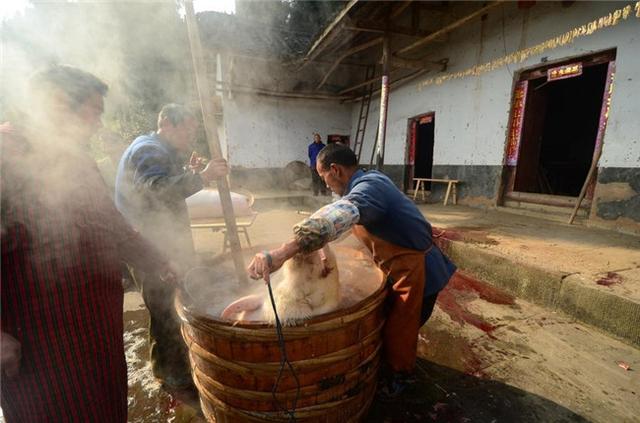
column 400, row 240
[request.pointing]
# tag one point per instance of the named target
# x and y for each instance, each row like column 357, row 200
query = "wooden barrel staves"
column 336, row 357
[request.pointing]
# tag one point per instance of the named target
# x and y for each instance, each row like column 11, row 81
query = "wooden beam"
column 320, row 44
column 399, row 9
column 278, row 61
column 363, row 84
column 393, row 84
column 284, row 94
column 211, row 130
column 450, row 27
column 245, row 56
column 289, row 94
column 348, row 53
column 418, row 64
column 367, row 82
column 363, row 29
column 393, row 29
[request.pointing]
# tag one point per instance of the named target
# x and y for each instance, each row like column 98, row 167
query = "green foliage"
column 140, row 49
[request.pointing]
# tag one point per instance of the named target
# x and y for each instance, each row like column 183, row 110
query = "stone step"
column 568, row 293
column 556, row 214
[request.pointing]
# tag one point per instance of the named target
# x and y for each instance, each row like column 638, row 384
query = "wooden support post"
column 583, row 191
column 384, row 102
column 208, row 114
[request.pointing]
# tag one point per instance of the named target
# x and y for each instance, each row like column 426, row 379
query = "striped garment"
column 61, row 292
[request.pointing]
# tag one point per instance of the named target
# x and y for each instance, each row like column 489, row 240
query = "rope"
column 284, row 361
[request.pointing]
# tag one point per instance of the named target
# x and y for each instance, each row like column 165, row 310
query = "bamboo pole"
column 211, row 130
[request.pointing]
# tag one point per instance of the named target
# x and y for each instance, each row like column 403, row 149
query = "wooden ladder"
column 364, row 112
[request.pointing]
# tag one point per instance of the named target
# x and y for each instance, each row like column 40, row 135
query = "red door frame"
column 410, row 151
column 517, row 111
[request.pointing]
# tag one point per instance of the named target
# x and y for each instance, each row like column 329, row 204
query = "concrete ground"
column 520, row 352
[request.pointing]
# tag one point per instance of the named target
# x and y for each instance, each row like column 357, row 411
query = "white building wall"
column 268, row 132
column 472, row 113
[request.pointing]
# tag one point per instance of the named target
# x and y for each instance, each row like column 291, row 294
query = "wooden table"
column 451, row 187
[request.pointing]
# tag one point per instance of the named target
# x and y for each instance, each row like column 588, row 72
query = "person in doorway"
column 398, row 236
column 63, row 241
column 317, row 184
column 152, row 183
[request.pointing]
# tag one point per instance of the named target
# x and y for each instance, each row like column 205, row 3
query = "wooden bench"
column 451, row 187
column 218, row 224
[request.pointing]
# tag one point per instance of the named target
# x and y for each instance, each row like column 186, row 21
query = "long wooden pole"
column 211, row 130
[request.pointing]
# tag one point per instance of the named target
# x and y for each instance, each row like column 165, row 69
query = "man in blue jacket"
column 317, row 184
column 153, row 181
column 400, row 240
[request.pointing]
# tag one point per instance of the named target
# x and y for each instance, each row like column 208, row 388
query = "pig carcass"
column 205, row 204
column 310, row 286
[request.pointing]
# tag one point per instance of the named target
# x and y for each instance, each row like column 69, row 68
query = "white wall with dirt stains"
column 471, row 113
column 269, row 132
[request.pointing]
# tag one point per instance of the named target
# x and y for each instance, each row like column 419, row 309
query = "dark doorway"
column 559, row 132
column 420, row 148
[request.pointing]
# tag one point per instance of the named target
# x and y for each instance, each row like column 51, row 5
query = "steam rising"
column 141, row 50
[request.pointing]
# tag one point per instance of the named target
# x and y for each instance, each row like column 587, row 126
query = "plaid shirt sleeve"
column 326, row 225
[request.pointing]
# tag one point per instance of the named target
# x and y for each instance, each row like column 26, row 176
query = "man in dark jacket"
column 316, row 182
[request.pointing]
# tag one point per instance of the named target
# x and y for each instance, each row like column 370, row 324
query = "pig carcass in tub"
column 310, row 286
column 205, row 204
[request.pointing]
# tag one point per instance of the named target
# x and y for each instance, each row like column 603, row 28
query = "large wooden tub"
column 336, row 357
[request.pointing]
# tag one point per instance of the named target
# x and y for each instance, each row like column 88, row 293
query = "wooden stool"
column 451, row 187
